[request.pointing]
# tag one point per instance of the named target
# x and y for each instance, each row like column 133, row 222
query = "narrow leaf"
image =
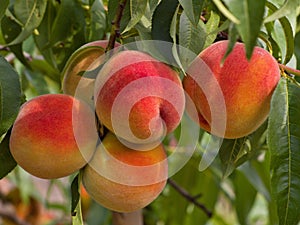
column 63, row 26
column 161, row 26
column 286, row 48
column 162, row 19
column 289, row 7
column 10, row 93
column 250, row 13
column 245, row 194
column 3, row 7
column 75, row 194
column 226, row 12
column 30, row 13
column 7, row 162
column 191, row 36
column 10, row 30
column 192, row 9
column 284, row 144
column 230, row 151
column 137, row 10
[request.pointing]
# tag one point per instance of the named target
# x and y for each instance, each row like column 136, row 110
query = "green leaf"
column 285, row 39
column 30, row 14
column 98, row 23
column 10, row 30
column 225, row 11
column 65, row 27
column 258, row 175
column 7, row 162
column 284, row 145
column 75, row 193
column 192, row 9
column 289, row 7
column 191, row 36
column 245, row 195
column 10, row 93
column 164, row 27
column 250, row 14
column 162, row 19
column 137, row 10
column 230, row 151
column 76, row 202
column 211, row 25
column 3, row 7
column 42, row 40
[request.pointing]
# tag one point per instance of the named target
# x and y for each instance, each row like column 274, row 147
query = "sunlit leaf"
column 285, row 39
column 284, row 144
column 250, row 14
column 98, row 23
column 192, row 9
column 30, row 14
column 10, row 30
column 137, row 10
column 191, row 36
column 226, row 12
column 289, row 7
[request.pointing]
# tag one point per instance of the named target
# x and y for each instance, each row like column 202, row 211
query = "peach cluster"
column 140, row 100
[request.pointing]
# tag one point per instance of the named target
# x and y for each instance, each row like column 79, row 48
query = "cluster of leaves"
column 38, row 36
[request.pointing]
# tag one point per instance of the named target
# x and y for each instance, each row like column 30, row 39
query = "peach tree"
column 91, row 50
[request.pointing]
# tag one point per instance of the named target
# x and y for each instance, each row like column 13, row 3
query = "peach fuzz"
column 53, row 136
column 123, row 179
column 87, row 58
column 138, row 98
column 246, row 85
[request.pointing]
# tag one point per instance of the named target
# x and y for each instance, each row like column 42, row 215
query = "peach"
column 123, row 179
column 246, row 87
column 87, row 58
column 53, row 136
column 138, row 98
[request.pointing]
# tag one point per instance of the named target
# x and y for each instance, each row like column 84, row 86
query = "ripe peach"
column 53, row 136
column 246, row 86
column 138, row 98
column 87, row 58
column 123, row 179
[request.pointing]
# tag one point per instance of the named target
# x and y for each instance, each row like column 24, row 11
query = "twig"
column 115, row 28
column 289, row 69
column 190, row 198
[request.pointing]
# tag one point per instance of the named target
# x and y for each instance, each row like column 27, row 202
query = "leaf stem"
column 115, row 28
column 190, row 198
column 289, row 69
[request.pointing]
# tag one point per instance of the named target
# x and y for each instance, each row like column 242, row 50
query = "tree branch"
column 115, row 28
column 190, row 198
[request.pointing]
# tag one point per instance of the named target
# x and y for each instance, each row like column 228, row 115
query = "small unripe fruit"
column 53, row 136
column 123, row 179
column 246, row 88
column 87, row 58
